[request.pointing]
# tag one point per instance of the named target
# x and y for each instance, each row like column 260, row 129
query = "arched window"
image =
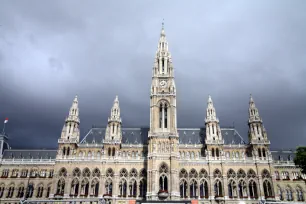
column 94, row 188
column 109, row 187
column 74, row 191
column 259, row 152
column 213, row 152
column 40, row 191
column 267, row 189
column 193, row 188
column 242, row 187
column 122, row 188
column 84, row 187
column 109, row 151
column 299, row 194
column 253, row 189
column 218, row 188
column 2, row 187
column 232, row 189
column 163, row 183
column 203, row 189
column 165, row 115
column 183, row 188
column 20, row 193
column 114, row 151
column 60, row 187
column 68, row 151
column 48, row 191
column 217, row 152
column 142, row 188
column 277, row 175
column 10, row 191
column 64, row 150
column 160, row 116
column 263, row 152
column 133, row 188
column 280, row 193
column 289, row 195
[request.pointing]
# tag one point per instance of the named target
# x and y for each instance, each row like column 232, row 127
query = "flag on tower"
column 6, row 120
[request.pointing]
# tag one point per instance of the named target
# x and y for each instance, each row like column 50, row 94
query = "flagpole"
column 3, row 129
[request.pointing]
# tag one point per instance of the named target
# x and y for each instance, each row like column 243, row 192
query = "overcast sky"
column 52, row 50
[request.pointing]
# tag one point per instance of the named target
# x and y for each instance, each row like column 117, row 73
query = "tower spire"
column 113, row 129
column 253, row 111
column 72, row 122
column 257, row 131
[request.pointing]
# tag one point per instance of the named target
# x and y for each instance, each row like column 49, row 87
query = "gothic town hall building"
column 160, row 163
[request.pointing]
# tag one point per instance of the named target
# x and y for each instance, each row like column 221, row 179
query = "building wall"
column 193, row 163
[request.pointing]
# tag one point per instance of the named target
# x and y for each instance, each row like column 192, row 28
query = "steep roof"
column 140, row 136
column 29, row 154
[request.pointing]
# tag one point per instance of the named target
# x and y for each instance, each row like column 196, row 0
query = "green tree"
column 300, row 158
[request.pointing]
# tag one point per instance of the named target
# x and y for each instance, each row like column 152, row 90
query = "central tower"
column 163, row 92
column 163, row 136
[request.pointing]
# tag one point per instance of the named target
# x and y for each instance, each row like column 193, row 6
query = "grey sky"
column 52, row 50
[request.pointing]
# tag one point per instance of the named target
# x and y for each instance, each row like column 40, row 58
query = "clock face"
column 163, row 83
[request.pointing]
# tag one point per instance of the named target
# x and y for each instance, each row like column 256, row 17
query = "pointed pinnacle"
column 116, row 99
column 209, row 99
column 251, row 99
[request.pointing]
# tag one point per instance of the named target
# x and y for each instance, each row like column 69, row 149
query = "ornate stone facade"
column 161, row 162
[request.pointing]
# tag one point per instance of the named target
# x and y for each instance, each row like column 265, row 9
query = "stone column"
column 102, row 186
column 211, row 184
column 225, row 187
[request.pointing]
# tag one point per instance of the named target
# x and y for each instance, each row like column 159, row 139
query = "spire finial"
column 251, row 99
column 163, row 24
column 209, row 99
column 163, row 31
column 116, row 99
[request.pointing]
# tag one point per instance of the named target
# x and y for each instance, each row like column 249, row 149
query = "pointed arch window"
column 183, row 188
column 163, row 65
column 142, row 188
column 160, row 116
column 165, row 116
column 253, row 189
column 267, row 189
column 2, row 187
column 203, row 189
column 218, row 188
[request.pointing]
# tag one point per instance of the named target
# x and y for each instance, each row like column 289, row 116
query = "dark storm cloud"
column 52, row 50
